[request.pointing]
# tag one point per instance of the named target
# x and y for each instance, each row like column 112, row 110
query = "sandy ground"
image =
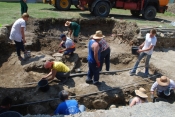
column 16, row 75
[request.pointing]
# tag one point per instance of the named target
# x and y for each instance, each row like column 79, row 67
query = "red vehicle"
column 148, row 8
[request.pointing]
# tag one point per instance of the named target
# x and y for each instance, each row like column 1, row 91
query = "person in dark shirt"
column 75, row 28
column 5, row 104
column 24, row 6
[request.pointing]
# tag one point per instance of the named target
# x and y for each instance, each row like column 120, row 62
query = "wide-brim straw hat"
column 67, row 23
column 163, row 81
column 98, row 35
column 141, row 93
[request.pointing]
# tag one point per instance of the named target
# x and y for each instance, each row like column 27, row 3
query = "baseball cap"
column 62, row 35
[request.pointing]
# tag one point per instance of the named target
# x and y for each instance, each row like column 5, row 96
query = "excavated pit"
column 19, row 79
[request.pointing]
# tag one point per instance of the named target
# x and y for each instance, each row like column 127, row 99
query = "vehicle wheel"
column 102, row 9
column 135, row 13
column 63, row 4
column 150, row 13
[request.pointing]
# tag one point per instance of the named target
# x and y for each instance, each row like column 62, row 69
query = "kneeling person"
column 68, row 44
column 58, row 70
column 165, row 87
column 68, row 107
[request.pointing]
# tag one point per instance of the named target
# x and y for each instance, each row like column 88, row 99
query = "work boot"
column 89, row 81
column 96, row 83
column 132, row 73
column 20, row 58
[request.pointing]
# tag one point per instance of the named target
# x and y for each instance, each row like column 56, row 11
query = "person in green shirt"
column 24, row 6
column 75, row 28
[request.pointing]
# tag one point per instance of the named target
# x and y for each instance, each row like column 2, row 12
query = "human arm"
column 147, row 49
column 69, row 45
column 70, row 32
column 52, row 74
column 172, row 84
column 153, row 87
column 133, row 102
column 141, row 46
column 60, row 45
column 23, row 35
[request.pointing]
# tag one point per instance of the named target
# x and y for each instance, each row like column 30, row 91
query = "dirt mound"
column 171, row 8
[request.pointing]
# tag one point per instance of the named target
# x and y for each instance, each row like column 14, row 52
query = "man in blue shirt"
column 68, row 107
column 94, row 58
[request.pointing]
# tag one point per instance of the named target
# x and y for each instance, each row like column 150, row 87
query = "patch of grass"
column 11, row 11
column 169, row 14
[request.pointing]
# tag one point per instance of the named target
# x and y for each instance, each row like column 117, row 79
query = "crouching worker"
column 68, row 107
column 58, row 70
column 164, row 87
column 68, row 44
column 141, row 97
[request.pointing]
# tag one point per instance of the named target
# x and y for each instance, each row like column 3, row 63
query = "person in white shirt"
column 146, row 49
column 18, row 36
column 164, row 87
column 141, row 97
column 67, row 44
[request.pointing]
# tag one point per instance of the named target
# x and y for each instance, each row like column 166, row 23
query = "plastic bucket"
column 10, row 114
column 43, row 85
column 134, row 50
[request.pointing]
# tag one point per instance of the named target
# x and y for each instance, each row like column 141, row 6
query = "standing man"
column 17, row 34
column 24, row 6
column 105, row 54
column 68, row 107
column 58, row 70
column 68, row 44
column 146, row 49
column 94, row 58
column 75, row 28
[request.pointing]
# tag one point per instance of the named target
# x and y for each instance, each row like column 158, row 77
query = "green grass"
column 10, row 11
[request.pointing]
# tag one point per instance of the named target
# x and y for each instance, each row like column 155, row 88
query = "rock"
column 99, row 104
column 4, row 34
column 57, row 55
column 162, row 35
column 112, row 106
column 36, row 63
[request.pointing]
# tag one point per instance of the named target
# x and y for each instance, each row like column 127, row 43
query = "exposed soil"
column 171, row 8
column 43, row 38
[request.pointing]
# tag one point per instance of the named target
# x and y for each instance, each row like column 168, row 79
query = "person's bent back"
column 68, row 107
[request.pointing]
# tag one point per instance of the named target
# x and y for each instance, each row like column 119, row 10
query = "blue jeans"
column 93, row 71
column 67, row 51
column 62, row 75
column 105, row 55
column 82, row 108
column 139, row 59
column 19, row 47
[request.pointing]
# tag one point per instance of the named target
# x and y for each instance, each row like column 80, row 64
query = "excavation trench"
column 43, row 39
